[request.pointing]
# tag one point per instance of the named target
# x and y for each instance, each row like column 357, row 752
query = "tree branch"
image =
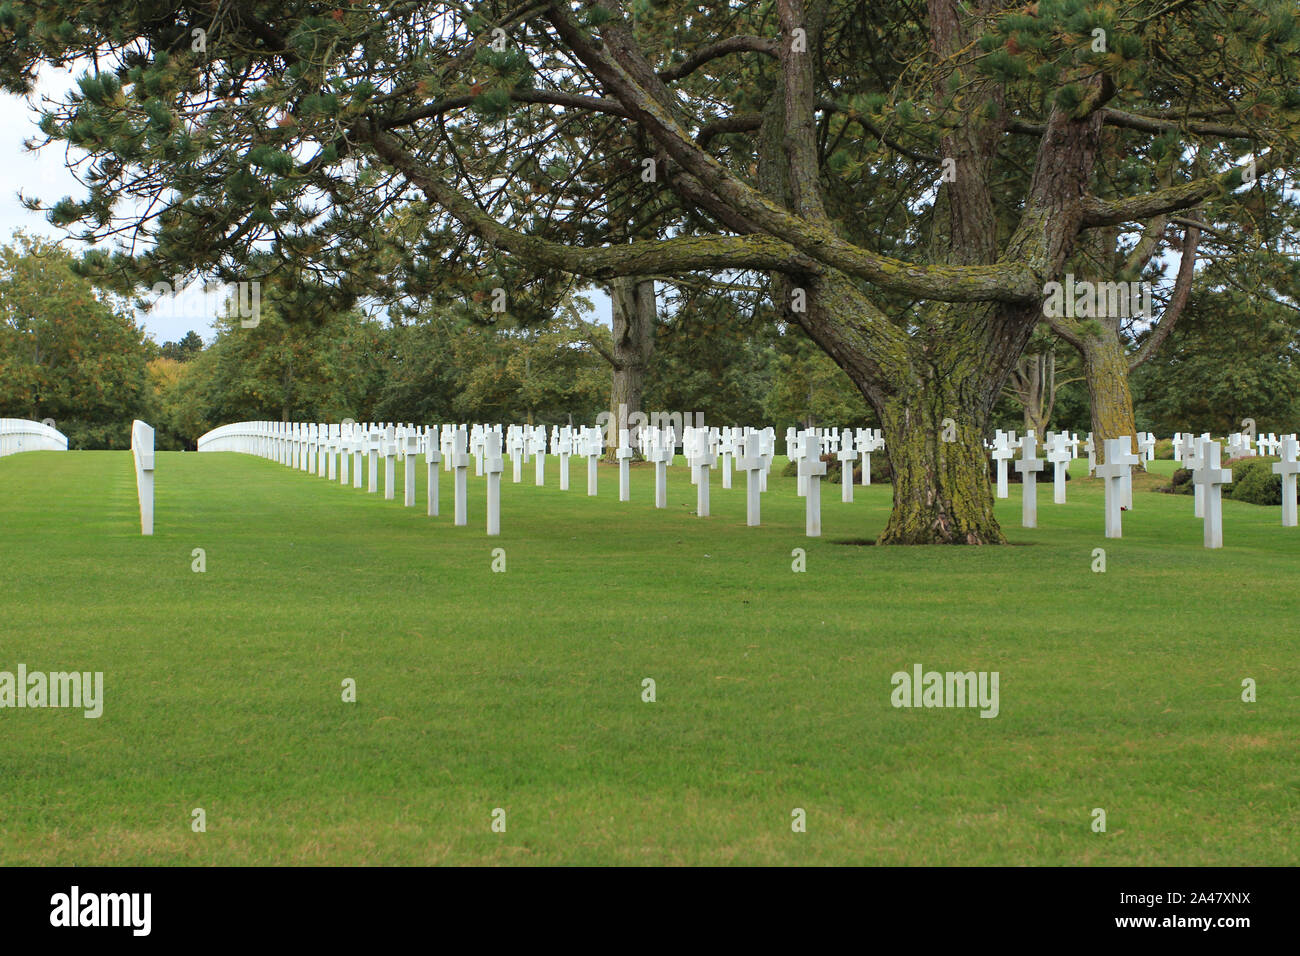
column 1182, row 288
column 735, row 44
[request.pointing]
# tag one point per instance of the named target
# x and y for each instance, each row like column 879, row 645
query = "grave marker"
column 1029, row 465
column 1211, row 477
column 1119, row 459
column 1287, row 468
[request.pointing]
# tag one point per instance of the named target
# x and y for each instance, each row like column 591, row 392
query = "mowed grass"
column 523, row 690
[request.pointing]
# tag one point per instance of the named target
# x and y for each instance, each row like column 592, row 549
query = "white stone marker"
column 493, row 466
column 848, row 456
column 448, row 442
column 1195, row 461
column 750, row 462
column 1287, row 468
column 390, row 462
column 624, row 454
column 794, row 452
column 477, row 444
column 702, row 459
column 811, row 468
column 662, row 448
column 1090, row 447
column 1029, row 465
column 726, row 452
column 460, row 464
column 432, row 458
column 1002, row 452
column 1058, row 453
column 539, row 455
column 515, row 442
column 592, row 447
column 1211, row 477
column 1147, row 446
column 376, row 442
column 345, row 453
column 562, row 445
column 142, row 454
column 1119, row 459
column 358, row 453
column 411, row 446
column 331, row 451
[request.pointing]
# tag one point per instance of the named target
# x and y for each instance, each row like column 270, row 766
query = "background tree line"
column 78, row 355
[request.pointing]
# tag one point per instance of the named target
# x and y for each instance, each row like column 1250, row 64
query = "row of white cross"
column 327, row 450
column 1200, row 454
column 331, row 450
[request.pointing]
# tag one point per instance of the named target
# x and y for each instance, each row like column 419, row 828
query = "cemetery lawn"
column 523, row 690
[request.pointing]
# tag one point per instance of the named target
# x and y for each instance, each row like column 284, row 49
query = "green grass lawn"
column 522, row 690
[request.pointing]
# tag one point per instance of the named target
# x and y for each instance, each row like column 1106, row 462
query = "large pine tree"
column 908, row 177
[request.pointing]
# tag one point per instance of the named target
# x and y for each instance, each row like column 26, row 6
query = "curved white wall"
column 18, row 434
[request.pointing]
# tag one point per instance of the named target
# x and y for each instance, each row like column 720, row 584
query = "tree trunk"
column 633, row 326
column 942, row 491
column 1105, row 368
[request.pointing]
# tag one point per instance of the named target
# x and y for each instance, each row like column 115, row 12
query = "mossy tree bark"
column 1105, row 369
column 632, row 327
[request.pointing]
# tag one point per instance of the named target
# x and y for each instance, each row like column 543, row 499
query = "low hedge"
column 1253, row 481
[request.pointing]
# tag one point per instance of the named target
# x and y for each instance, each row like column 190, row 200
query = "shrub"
column 1253, row 481
column 1180, row 483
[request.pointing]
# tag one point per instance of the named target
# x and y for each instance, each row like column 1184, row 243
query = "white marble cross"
column 345, row 452
column 331, row 451
column 518, row 455
column 811, row 469
column 1212, row 477
column 767, row 449
column 358, row 453
column 1090, row 446
column 726, row 453
column 1147, row 446
column 493, row 466
column 662, row 448
column 624, row 454
column 1058, row 453
column 592, row 446
column 1178, row 446
column 1002, row 453
column 1029, row 465
column 702, row 459
column 1287, row 468
column 869, row 440
column 562, row 445
column 411, row 446
column 460, row 459
column 539, row 455
column 390, row 462
column 848, row 456
column 1119, row 460
column 794, row 451
column 750, row 460
column 376, row 440
column 1195, row 461
column 432, row 458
